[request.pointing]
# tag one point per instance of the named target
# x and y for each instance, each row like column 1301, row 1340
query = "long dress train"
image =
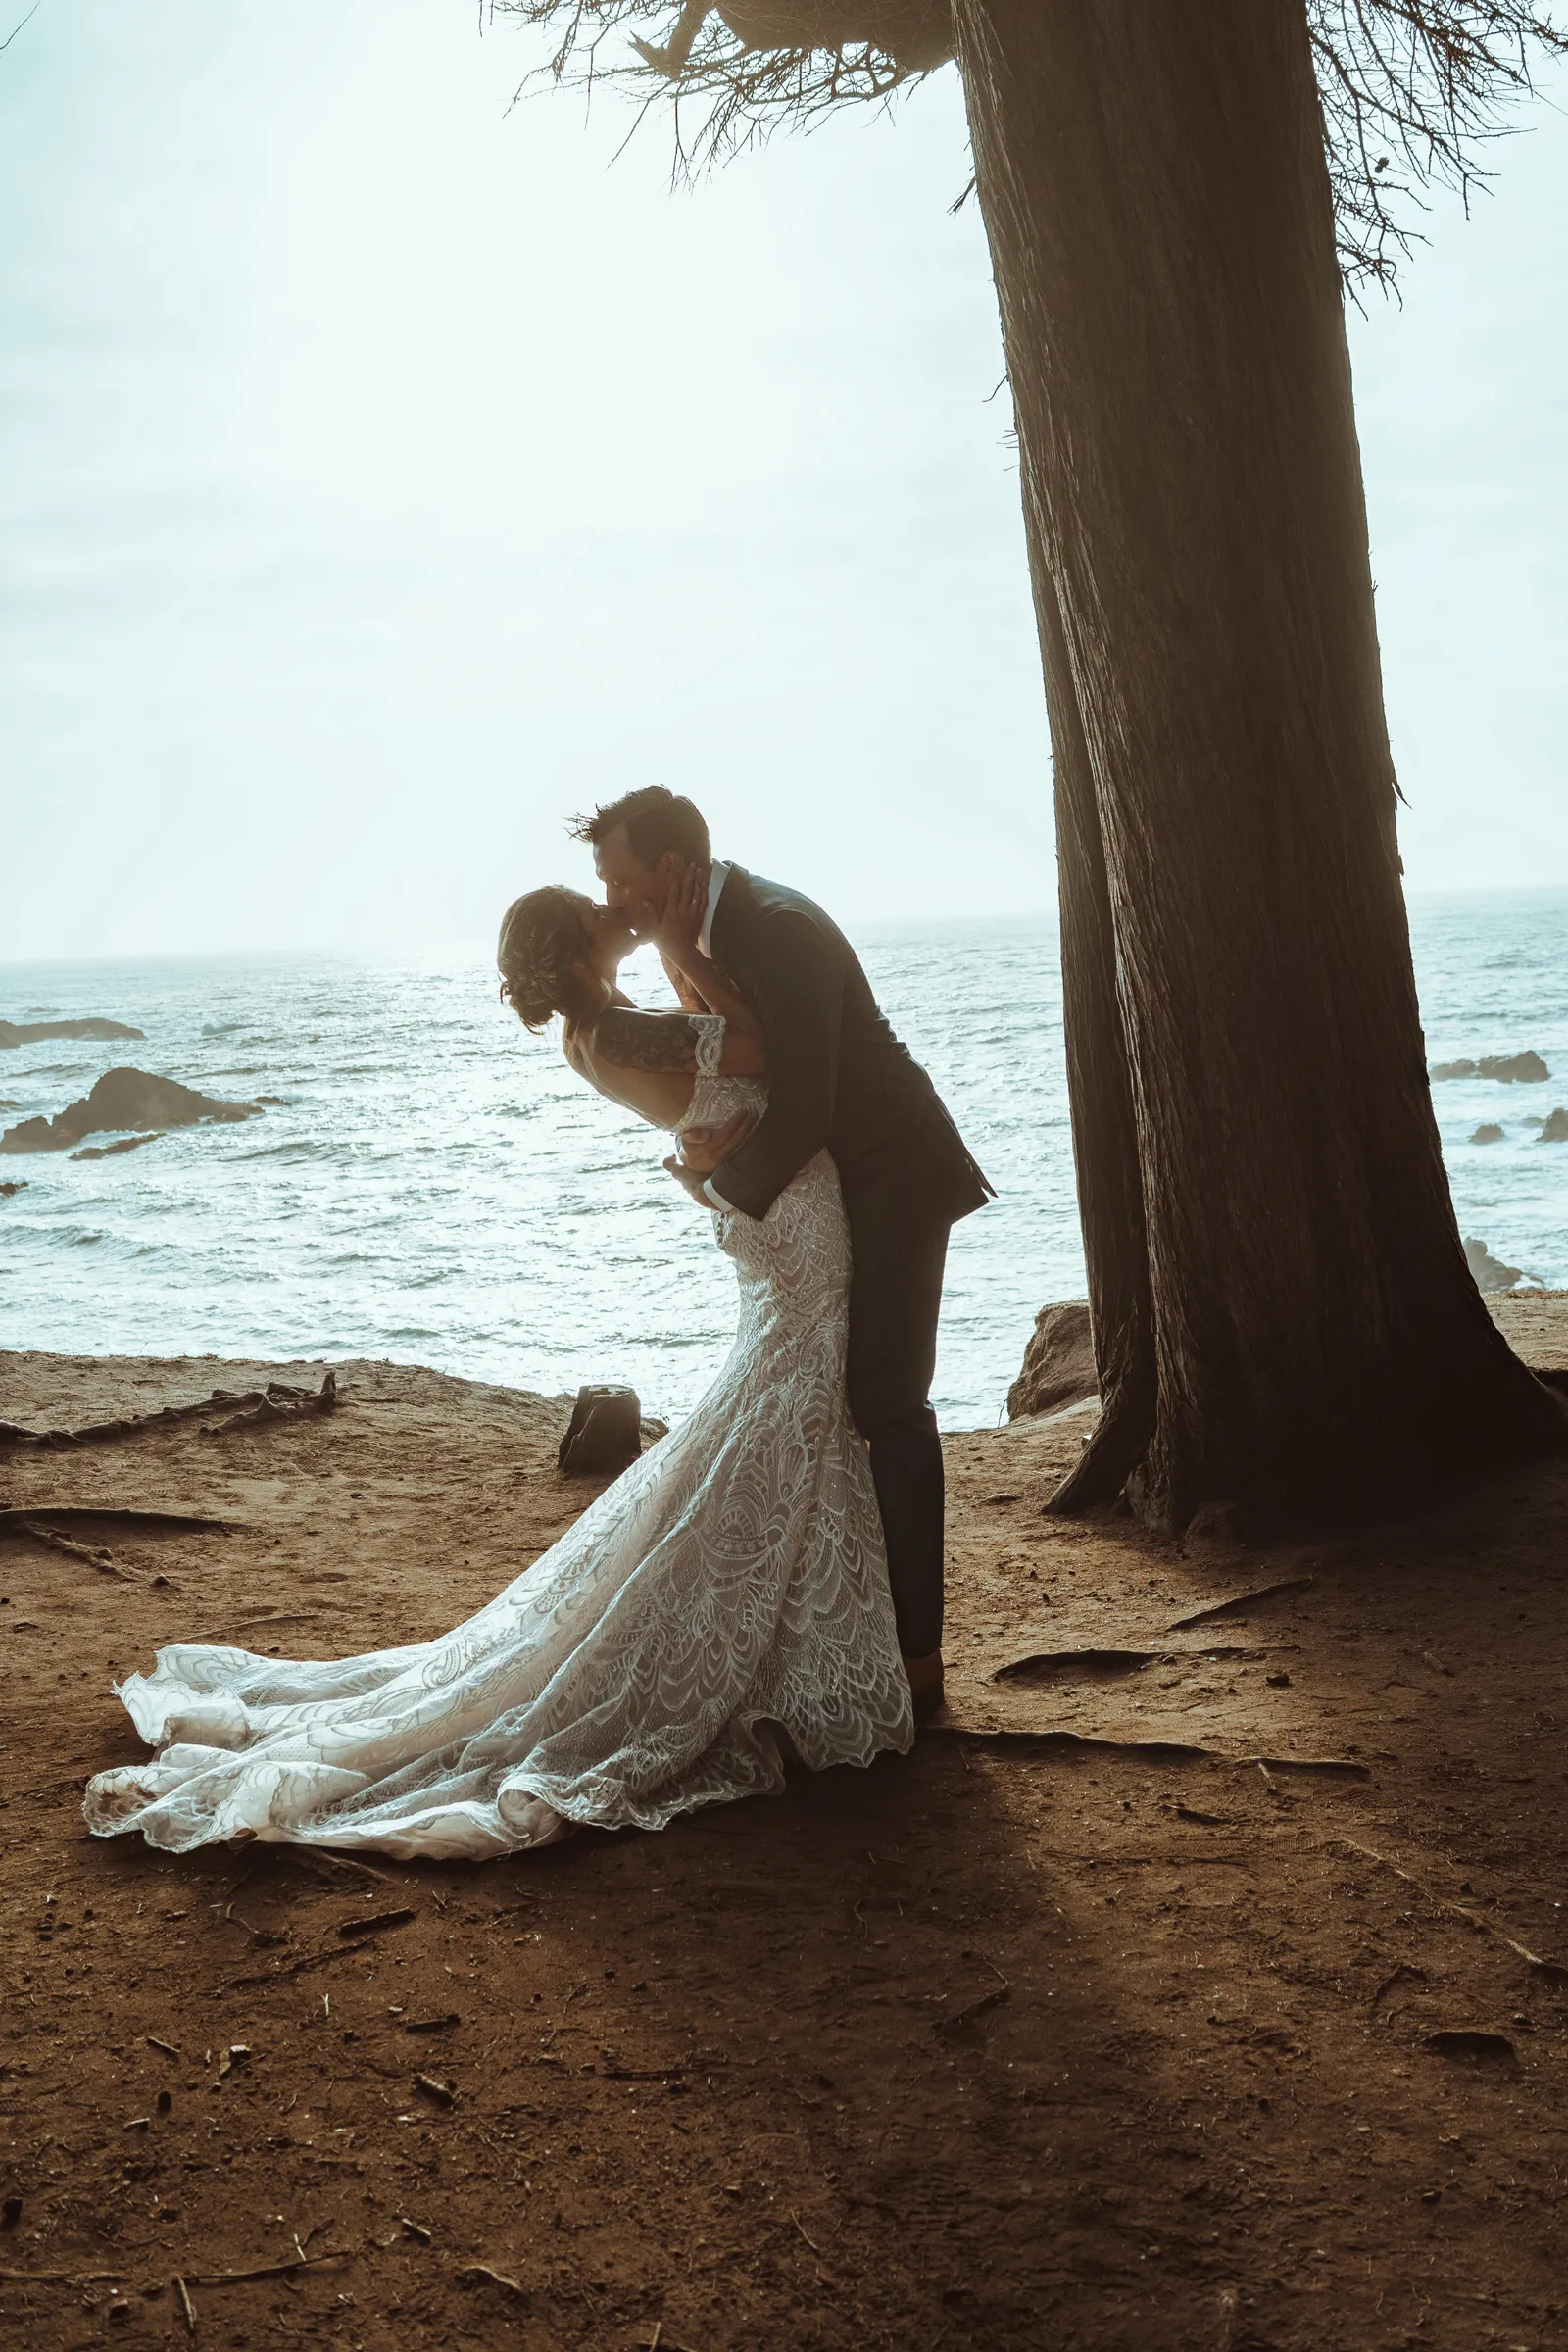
column 730, row 1584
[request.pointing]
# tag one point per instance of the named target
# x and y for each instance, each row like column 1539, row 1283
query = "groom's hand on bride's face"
column 648, row 896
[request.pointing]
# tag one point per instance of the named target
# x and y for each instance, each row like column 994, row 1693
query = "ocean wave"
column 303, row 1147
column 565, row 1254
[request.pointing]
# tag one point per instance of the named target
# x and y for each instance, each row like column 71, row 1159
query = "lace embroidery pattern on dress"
column 729, row 1585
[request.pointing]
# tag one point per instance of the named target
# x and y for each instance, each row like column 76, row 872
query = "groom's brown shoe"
column 925, row 1685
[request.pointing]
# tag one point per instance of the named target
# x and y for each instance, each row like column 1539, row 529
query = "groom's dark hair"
column 656, row 819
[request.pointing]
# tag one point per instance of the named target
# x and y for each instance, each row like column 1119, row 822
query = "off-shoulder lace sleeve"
column 708, row 1028
column 628, row 1039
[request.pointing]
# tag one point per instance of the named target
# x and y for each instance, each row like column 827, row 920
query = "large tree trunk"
column 1104, row 1119
column 1283, row 1311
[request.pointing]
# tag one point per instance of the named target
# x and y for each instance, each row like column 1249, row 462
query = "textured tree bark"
column 917, row 34
column 1283, row 1311
column 1104, row 1133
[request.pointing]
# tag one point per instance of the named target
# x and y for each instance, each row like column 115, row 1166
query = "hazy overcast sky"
column 388, row 473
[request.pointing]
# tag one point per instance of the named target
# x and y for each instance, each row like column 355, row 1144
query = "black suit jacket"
column 837, row 1075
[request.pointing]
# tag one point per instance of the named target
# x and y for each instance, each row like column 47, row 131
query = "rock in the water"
column 605, row 1434
column 1058, row 1363
column 1554, row 1130
column 1510, row 1069
column 126, row 1143
column 1487, row 1133
column 8, row 1190
column 123, row 1099
column 1490, row 1272
column 24, row 1032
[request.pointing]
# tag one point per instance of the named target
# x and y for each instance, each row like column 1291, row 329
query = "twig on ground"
column 216, row 1633
column 481, row 2272
column 1552, row 1970
column 374, row 1921
column 267, row 2270
column 188, row 2307
column 972, row 2009
column 297, row 1968
column 60, row 2277
column 94, row 1554
column 323, row 1864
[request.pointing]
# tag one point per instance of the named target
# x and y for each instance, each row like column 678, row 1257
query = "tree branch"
column 1412, row 91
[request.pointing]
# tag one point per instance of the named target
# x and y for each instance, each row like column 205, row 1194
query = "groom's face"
column 631, row 888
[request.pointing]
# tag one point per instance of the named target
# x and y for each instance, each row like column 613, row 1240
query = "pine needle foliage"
column 1413, row 92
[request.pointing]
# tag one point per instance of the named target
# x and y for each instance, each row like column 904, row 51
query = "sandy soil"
column 1079, row 2027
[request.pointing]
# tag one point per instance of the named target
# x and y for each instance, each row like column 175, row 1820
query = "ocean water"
column 439, row 1188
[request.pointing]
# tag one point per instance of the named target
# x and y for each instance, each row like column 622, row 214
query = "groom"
column 839, row 1077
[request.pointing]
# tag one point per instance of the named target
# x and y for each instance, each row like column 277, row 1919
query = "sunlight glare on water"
column 437, row 1187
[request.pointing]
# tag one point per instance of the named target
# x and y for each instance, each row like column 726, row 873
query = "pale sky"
column 388, row 473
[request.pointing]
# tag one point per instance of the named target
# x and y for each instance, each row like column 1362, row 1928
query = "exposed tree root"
column 1239, row 1601
column 128, row 1425
column 280, row 1402
column 246, row 1407
column 1108, row 1459
column 117, row 1515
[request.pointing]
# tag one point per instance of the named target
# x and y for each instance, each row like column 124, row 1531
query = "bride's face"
column 609, row 937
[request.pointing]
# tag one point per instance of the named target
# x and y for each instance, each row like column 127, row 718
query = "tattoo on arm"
column 645, row 1040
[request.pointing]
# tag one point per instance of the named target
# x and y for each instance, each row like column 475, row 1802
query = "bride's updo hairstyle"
column 542, row 940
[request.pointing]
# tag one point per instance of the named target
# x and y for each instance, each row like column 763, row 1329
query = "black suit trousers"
column 900, row 1248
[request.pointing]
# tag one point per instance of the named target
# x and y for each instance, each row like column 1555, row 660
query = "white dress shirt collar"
column 718, row 876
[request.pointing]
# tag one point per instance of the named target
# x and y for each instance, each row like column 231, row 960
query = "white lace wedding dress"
column 730, row 1584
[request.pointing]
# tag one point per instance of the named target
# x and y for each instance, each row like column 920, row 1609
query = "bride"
column 724, row 1603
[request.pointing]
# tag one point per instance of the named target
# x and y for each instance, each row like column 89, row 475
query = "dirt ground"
column 1078, row 2028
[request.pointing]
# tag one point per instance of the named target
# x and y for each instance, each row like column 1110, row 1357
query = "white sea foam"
column 439, row 1188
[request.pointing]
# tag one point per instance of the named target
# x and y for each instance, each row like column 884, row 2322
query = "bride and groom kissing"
column 766, row 1580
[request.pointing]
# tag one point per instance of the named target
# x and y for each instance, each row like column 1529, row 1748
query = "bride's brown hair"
column 542, row 942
